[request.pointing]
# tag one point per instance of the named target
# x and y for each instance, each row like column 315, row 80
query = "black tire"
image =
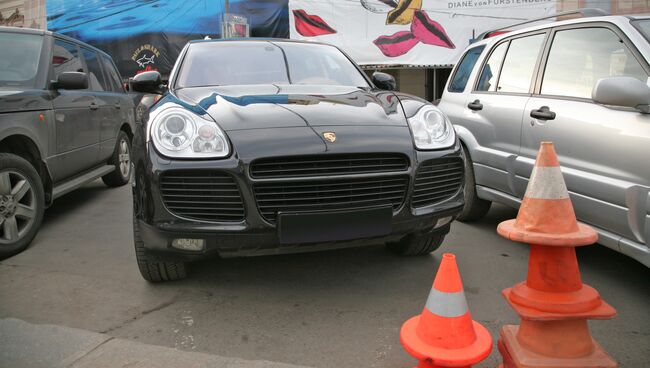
column 418, row 244
column 122, row 162
column 475, row 207
column 26, row 211
column 153, row 270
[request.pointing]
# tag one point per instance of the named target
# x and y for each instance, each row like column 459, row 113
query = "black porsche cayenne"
column 272, row 146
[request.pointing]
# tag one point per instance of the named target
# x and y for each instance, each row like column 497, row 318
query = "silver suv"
column 580, row 83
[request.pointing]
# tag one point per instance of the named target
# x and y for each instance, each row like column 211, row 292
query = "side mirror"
column 71, row 80
column 622, row 91
column 147, row 82
column 384, row 81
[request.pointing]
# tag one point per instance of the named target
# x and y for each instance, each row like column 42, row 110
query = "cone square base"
column 462, row 357
column 584, row 236
column 604, row 311
column 523, row 358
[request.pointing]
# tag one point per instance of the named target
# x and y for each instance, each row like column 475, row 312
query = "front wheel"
column 154, row 270
column 22, row 204
column 418, row 244
column 121, row 159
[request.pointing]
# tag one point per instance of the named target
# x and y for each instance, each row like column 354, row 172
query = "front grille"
column 305, row 166
column 437, row 180
column 202, row 195
column 325, row 195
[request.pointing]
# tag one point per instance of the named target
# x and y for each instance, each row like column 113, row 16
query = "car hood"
column 14, row 101
column 273, row 106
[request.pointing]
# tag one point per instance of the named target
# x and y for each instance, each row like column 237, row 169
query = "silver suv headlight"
column 177, row 132
column 431, row 129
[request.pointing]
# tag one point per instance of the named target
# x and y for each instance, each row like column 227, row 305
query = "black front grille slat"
column 334, row 164
column 436, row 181
column 398, row 186
column 202, row 195
column 329, row 194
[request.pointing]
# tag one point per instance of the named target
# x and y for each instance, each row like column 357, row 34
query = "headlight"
column 431, row 129
column 179, row 133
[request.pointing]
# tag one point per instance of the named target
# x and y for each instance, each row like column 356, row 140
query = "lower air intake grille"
column 323, row 195
column 202, row 195
column 437, row 180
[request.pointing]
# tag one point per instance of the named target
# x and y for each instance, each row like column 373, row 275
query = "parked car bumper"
column 254, row 234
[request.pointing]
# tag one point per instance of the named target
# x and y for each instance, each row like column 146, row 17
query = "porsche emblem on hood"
column 330, row 136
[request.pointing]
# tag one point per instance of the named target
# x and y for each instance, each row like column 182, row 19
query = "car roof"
column 41, row 32
column 614, row 19
column 260, row 39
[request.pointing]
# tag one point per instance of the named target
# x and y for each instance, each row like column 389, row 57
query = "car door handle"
column 543, row 113
column 94, row 106
column 476, row 105
column 117, row 105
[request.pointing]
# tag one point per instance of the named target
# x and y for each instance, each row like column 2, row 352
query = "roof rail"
column 584, row 12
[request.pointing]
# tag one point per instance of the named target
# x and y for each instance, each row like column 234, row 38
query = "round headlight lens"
column 175, row 124
column 175, row 131
column 208, row 140
column 435, row 124
column 431, row 129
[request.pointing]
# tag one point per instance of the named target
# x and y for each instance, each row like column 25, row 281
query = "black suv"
column 65, row 120
column 299, row 153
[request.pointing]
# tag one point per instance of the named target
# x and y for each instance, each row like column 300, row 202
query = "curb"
column 23, row 344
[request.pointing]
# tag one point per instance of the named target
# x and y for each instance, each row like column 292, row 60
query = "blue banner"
column 144, row 35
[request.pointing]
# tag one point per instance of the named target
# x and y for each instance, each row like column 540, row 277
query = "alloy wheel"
column 17, row 206
column 124, row 159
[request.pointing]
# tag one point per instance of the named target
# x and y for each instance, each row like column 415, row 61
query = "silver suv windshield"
column 643, row 25
column 245, row 62
column 19, row 59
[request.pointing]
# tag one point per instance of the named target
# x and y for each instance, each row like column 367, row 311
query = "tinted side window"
column 519, row 64
column 112, row 76
column 579, row 57
column 488, row 79
column 465, row 67
column 65, row 58
column 95, row 77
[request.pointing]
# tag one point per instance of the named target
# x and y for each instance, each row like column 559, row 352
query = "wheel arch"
column 24, row 146
column 126, row 128
column 467, row 139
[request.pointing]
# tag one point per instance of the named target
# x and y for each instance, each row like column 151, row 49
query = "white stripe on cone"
column 447, row 305
column 546, row 182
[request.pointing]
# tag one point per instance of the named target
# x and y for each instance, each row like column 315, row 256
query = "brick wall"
column 23, row 13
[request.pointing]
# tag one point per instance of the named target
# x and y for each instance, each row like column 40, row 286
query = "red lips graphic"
column 429, row 31
column 311, row 25
column 398, row 44
column 423, row 29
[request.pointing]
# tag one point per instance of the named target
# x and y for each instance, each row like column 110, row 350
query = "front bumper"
column 255, row 235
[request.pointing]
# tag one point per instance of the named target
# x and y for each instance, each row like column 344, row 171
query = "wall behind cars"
column 23, row 13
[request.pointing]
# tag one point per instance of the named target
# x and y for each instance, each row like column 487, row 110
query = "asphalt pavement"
column 339, row 308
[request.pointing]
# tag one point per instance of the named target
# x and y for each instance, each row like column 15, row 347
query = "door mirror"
column 384, row 81
column 622, row 91
column 147, row 82
column 71, row 80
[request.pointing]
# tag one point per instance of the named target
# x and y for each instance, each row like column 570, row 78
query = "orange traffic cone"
column 553, row 303
column 444, row 335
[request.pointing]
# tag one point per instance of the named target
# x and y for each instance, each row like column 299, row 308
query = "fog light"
column 189, row 244
column 443, row 221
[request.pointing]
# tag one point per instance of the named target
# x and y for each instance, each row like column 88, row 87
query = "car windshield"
column 19, row 59
column 243, row 63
